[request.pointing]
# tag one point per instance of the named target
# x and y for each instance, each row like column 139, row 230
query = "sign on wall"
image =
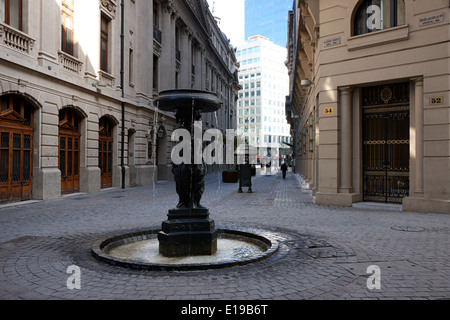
column 328, row 111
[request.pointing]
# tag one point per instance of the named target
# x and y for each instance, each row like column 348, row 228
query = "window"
column 178, row 33
column 156, row 15
column 311, row 132
column 67, row 30
column 104, row 43
column 375, row 15
column 304, row 135
column 131, row 67
column 22, row 108
column 13, row 13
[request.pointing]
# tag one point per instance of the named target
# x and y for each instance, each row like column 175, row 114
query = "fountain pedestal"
column 188, row 232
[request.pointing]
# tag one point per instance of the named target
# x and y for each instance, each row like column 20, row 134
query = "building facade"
column 74, row 118
column 264, row 84
column 369, row 101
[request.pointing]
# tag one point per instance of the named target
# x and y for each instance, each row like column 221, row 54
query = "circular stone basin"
column 141, row 251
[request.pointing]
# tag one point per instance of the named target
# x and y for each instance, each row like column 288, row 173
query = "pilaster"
column 346, row 185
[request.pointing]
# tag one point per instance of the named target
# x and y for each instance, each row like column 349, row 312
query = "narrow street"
column 325, row 252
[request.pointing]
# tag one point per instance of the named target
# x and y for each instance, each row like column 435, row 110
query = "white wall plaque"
column 435, row 18
column 332, row 42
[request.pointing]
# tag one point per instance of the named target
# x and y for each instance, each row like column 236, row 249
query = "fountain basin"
column 186, row 99
column 139, row 250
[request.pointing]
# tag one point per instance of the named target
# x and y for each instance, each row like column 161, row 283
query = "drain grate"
column 408, row 229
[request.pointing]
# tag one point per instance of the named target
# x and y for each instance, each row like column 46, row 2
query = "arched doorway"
column 16, row 134
column 69, row 150
column 105, row 151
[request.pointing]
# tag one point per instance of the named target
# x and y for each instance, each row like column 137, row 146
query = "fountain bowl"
column 235, row 247
column 185, row 99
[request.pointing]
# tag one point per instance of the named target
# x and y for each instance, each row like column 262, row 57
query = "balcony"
column 15, row 39
column 107, row 79
column 70, row 63
column 157, row 35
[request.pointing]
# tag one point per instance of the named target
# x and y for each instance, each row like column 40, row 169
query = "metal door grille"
column 386, row 143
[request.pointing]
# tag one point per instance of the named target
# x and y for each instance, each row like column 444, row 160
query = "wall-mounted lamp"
column 306, row 83
column 161, row 133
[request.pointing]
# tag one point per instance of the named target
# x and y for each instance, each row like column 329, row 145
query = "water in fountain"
column 147, row 251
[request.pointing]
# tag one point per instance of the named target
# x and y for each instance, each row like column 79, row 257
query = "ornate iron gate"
column 386, row 143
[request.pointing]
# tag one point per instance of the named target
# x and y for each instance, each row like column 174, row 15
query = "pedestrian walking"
column 284, row 169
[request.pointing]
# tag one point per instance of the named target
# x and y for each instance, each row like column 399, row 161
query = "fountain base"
column 139, row 250
column 188, row 232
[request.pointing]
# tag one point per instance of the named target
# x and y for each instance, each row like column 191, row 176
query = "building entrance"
column 386, row 143
column 16, row 133
column 105, row 151
column 69, row 151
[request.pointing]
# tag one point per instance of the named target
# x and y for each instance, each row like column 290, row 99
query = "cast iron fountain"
column 189, row 230
column 188, row 240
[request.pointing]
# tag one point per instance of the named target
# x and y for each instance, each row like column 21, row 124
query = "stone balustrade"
column 15, row 39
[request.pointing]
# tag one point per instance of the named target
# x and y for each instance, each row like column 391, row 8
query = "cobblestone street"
column 324, row 251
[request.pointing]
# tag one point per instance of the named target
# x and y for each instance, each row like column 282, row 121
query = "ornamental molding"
column 109, row 7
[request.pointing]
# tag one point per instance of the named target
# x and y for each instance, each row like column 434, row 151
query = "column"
column 346, row 185
column 167, row 59
column 186, row 59
column 418, row 84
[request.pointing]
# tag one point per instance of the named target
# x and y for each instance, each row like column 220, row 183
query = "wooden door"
column 69, row 163
column 16, row 140
column 69, row 151
column 105, row 152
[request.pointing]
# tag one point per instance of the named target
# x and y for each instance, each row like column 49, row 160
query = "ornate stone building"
column 74, row 118
column 369, row 102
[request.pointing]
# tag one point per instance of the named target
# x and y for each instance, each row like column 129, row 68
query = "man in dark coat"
column 284, row 169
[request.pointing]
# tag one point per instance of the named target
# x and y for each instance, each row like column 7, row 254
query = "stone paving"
column 324, row 251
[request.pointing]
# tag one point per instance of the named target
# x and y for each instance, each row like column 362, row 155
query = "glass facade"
column 261, row 105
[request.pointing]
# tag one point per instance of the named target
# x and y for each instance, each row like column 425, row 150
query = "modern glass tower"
column 261, row 104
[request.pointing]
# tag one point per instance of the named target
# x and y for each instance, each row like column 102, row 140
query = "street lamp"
column 160, row 133
column 306, row 83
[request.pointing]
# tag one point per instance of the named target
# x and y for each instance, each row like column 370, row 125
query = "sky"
column 268, row 18
column 232, row 15
column 241, row 19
